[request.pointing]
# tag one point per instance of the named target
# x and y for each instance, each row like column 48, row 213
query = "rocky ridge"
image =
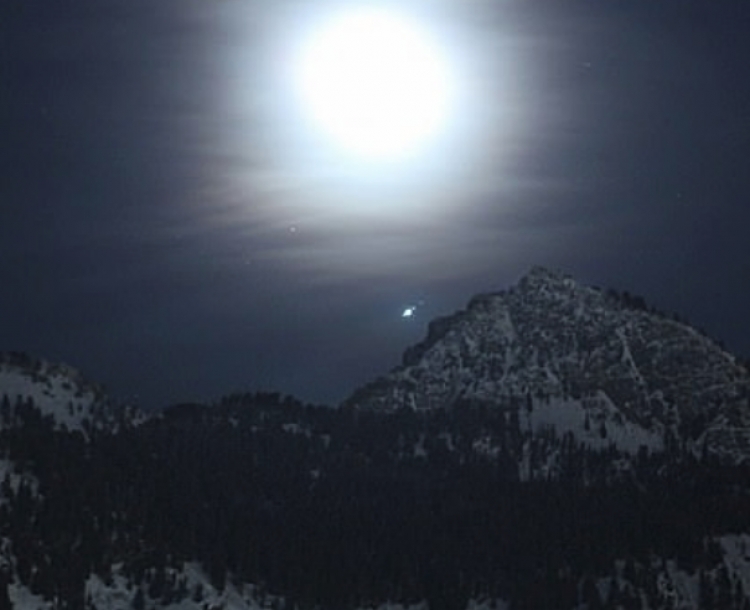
column 577, row 355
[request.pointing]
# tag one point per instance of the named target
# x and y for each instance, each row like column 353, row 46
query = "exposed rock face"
column 568, row 348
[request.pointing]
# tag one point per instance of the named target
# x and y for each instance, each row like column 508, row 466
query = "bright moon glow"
column 375, row 83
column 408, row 312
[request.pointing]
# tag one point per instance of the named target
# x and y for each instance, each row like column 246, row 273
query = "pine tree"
column 705, row 591
column 723, row 588
column 139, row 602
column 5, row 413
column 739, row 593
column 613, row 593
column 590, row 594
column 4, row 598
column 198, row 593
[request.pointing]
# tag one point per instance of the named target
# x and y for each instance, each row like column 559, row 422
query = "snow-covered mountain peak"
column 602, row 355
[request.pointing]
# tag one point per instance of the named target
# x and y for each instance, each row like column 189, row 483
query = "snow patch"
column 53, row 392
column 594, row 421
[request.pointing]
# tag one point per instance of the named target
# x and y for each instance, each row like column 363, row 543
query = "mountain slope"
column 59, row 391
column 586, row 360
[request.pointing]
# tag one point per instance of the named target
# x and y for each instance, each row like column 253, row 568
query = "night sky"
column 171, row 226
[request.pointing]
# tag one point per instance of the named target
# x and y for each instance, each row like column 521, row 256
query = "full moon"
column 375, row 83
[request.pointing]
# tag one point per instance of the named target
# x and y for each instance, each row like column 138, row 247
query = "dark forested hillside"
column 340, row 508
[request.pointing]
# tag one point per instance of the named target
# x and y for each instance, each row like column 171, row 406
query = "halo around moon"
column 374, row 83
